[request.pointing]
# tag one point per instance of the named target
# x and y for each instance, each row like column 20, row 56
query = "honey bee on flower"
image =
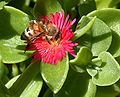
column 50, row 38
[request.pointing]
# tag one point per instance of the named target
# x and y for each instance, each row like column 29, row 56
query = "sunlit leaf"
column 55, row 75
column 112, row 18
column 12, row 24
column 109, row 71
column 83, row 57
column 83, row 26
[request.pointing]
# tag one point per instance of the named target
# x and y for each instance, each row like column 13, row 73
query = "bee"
column 33, row 31
column 37, row 28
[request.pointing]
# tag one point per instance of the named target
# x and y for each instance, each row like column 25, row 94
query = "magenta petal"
column 53, row 52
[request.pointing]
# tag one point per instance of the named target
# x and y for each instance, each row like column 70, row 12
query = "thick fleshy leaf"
column 94, row 66
column 101, row 37
column 45, row 7
column 2, row 4
column 83, row 26
column 15, row 70
column 77, row 85
column 2, row 68
column 100, row 4
column 10, row 83
column 25, row 78
column 32, row 89
column 114, row 23
column 55, row 75
column 108, row 91
column 117, row 86
column 98, row 38
column 86, row 6
column 4, row 92
column 12, row 24
column 114, row 3
column 109, row 71
column 83, row 57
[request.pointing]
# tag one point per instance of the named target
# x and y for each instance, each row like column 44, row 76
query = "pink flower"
column 51, row 46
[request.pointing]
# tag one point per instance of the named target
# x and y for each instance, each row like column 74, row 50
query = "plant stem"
column 21, row 83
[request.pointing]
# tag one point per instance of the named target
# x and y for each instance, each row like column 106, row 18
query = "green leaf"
column 103, row 3
column 91, row 71
column 45, row 7
column 108, row 91
column 83, row 57
column 109, row 72
column 55, row 75
column 4, row 92
column 98, row 38
column 12, row 23
column 11, row 82
column 2, row 4
column 114, row 3
column 86, row 6
column 25, row 78
column 2, row 68
column 83, row 26
column 101, row 37
column 112, row 18
column 97, row 62
column 34, row 87
column 117, row 86
column 93, row 67
column 15, row 70
column 77, row 85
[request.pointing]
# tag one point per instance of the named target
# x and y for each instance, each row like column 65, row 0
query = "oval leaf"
column 34, row 87
column 108, row 91
column 98, row 38
column 112, row 18
column 103, row 3
column 12, row 23
column 2, row 4
column 77, row 85
column 109, row 72
column 25, row 78
column 83, row 57
column 87, row 26
column 45, row 7
column 101, row 37
column 55, row 75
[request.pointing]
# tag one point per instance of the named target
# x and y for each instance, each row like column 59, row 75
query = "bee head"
column 23, row 36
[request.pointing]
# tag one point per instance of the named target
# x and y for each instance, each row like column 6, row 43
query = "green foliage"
column 55, row 75
column 94, row 72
